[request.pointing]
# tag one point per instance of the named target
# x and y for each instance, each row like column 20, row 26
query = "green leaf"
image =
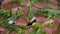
column 58, row 2
column 2, row 11
column 58, row 29
column 8, row 31
column 48, row 12
column 38, row 13
column 49, row 25
column 44, row 32
column 12, row 16
column 20, row 31
column 34, row 1
column 32, row 32
column 7, row 15
column 30, row 14
column 47, row 1
column 53, row 12
column 12, row 27
column 38, row 31
column 37, row 26
column 19, row 2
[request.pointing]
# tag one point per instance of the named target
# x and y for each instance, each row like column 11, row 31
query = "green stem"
column 8, row 31
column 30, row 12
column 48, row 17
column 30, row 4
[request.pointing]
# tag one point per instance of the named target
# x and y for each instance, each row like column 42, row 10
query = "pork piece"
column 21, row 20
column 2, row 30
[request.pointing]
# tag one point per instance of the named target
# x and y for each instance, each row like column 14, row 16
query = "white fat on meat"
column 32, row 19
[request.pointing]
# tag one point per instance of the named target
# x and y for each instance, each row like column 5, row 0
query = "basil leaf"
column 32, row 32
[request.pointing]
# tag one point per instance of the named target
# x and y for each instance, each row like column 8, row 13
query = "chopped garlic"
column 11, row 22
